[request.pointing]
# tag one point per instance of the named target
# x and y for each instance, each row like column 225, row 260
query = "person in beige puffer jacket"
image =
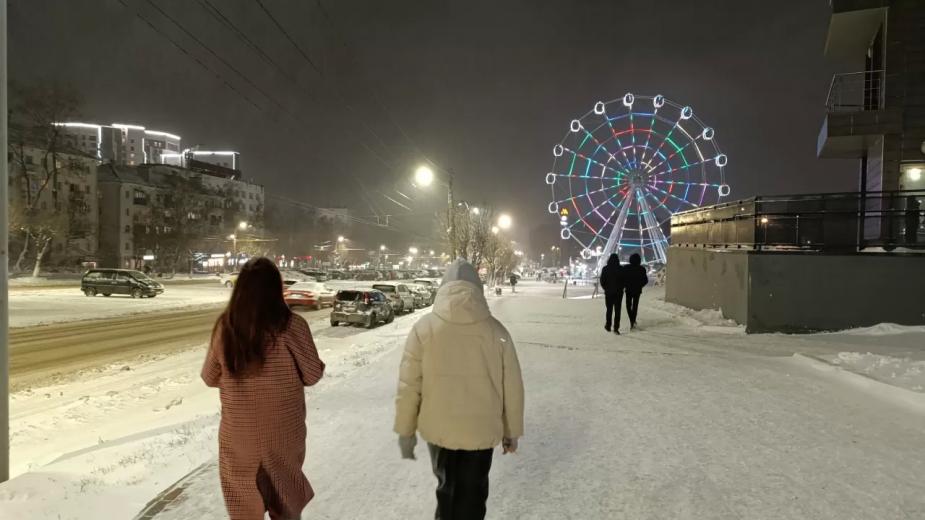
column 460, row 386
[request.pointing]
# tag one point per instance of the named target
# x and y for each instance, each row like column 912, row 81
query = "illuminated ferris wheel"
column 625, row 167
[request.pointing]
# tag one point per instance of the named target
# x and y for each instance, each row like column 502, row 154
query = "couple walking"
column 615, row 280
column 459, row 386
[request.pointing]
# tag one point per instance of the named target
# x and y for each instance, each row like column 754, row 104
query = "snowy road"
column 29, row 307
column 683, row 419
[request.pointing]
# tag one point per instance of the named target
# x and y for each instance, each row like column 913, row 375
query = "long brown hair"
column 255, row 314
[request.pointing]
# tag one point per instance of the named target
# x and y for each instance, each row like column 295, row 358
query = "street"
column 686, row 418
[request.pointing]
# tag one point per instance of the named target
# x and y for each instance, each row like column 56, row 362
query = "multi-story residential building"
column 165, row 215
column 121, row 144
column 876, row 114
column 62, row 203
column 190, row 158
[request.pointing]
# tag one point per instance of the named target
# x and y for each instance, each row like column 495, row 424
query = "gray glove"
column 406, row 445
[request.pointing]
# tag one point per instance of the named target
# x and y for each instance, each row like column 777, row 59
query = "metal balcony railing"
column 877, row 221
column 856, row 91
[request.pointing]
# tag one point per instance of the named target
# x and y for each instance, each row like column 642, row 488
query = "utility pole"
column 4, row 263
column 451, row 215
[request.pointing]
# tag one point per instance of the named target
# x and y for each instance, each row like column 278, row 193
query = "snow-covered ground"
column 686, row 418
column 43, row 306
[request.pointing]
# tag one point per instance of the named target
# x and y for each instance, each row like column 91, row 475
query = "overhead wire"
column 194, row 58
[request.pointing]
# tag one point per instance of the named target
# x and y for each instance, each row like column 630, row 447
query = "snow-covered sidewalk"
column 686, row 418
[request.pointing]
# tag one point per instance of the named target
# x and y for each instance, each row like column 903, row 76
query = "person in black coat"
column 634, row 279
column 612, row 283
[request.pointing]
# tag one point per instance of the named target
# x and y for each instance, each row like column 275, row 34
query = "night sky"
column 485, row 88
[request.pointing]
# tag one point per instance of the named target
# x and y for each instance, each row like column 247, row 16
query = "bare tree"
column 37, row 147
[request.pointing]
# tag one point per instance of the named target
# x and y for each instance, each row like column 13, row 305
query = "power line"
column 213, row 53
column 286, row 34
column 194, row 58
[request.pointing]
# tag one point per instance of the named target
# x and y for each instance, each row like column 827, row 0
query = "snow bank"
column 103, row 446
column 886, row 329
column 902, row 372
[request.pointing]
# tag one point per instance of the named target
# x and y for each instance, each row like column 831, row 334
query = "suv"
column 367, row 307
column 119, row 281
column 399, row 294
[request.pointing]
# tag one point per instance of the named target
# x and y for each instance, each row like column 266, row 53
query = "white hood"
column 461, row 303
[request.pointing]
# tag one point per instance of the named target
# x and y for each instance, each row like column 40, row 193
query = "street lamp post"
column 424, row 176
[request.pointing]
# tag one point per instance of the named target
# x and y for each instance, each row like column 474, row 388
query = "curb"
column 901, row 396
column 171, row 494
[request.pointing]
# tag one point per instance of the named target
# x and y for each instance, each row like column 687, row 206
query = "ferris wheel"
column 625, row 167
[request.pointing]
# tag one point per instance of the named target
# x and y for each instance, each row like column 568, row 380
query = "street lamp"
column 431, row 252
column 382, row 247
column 242, row 225
column 475, row 210
column 505, row 221
column 424, row 176
column 413, row 250
column 340, row 239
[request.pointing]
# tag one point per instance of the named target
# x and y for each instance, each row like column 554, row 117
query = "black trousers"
column 632, row 307
column 462, row 482
column 612, row 301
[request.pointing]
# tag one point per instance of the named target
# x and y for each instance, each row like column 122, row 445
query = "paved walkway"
column 677, row 420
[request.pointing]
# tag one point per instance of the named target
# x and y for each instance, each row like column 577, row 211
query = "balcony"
column 855, row 115
column 852, row 26
column 823, row 222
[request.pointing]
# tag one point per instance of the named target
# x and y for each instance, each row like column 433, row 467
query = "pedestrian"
column 460, row 387
column 260, row 357
column 513, row 282
column 611, row 280
column 634, row 279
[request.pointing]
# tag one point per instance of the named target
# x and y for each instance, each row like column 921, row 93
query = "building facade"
column 59, row 200
column 876, row 113
column 164, row 217
column 121, row 144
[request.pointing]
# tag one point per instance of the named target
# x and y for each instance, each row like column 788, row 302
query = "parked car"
column 400, row 296
column 119, row 281
column 366, row 276
column 320, row 276
column 422, row 296
column 366, row 307
column 309, row 294
column 432, row 285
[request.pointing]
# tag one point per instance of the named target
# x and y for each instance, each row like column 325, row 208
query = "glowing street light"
column 413, row 250
column 431, row 252
column 242, row 225
column 382, row 247
column 424, row 176
column 341, row 239
column 505, row 221
column 475, row 210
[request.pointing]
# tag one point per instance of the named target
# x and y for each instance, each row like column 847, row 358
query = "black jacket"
column 634, row 278
column 612, row 279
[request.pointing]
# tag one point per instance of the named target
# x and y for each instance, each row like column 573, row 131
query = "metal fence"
column 816, row 222
column 854, row 91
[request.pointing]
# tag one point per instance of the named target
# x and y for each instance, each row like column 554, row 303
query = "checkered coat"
column 262, row 433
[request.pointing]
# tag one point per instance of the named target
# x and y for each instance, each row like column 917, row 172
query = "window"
column 128, row 212
column 133, row 142
column 132, row 148
column 126, row 194
column 128, row 246
column 140, row 198
column 128, row 229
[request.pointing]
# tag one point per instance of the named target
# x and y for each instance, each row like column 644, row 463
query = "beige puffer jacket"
column 460, row 382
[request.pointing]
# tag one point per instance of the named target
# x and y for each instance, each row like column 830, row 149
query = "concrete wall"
column 807, row 292
column 707, row 279
column 799, row 292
